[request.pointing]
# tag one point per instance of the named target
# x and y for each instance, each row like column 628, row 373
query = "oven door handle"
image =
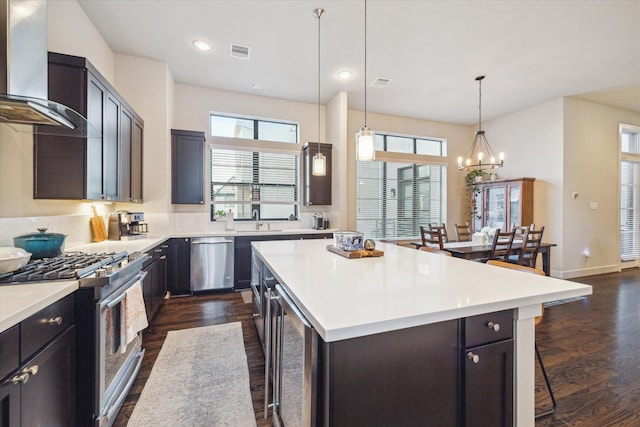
column 108, row 413
column 109, row 304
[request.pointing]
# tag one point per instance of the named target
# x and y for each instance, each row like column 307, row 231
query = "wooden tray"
column 363, row 253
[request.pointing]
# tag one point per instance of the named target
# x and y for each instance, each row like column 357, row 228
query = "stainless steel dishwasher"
column 211, row 263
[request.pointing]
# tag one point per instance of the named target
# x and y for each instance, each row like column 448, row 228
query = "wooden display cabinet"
column 502, row 203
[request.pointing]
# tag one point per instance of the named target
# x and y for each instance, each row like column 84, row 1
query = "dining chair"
column 501, row 245
column 443, row 230
column 432, row 238
column 530, row 248
column 435, row 250
column 463, row 232
column 519, row 237
column 538, row 319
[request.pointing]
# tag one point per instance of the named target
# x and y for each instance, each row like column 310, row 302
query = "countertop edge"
column 48, row 293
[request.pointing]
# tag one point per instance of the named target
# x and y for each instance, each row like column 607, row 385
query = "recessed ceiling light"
column 256, row 86
column 202, row 45
column 345, row 74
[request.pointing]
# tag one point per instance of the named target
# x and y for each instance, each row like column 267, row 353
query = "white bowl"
column 11, row 259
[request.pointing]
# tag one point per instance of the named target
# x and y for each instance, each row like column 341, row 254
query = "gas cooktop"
column 70, row 266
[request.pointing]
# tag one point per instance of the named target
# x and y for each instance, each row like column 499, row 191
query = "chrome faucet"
column 255, row 214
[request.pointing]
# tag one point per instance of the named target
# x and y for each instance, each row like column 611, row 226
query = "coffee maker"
column 319, row 222
column 125, row 225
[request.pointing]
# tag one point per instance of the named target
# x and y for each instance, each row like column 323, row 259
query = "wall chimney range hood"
column 23, row 75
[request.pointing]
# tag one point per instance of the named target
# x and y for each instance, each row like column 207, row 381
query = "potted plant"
column 220, row 214
column 471, row 191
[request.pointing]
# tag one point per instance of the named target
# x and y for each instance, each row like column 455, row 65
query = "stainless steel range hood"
column 23, row 75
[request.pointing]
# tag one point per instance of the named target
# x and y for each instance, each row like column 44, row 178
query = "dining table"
column 470, row 250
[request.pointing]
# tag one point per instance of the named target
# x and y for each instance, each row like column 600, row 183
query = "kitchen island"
column 422, row 304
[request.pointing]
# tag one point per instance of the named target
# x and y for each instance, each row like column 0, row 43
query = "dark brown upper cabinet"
column 108, row 167
column 187, row 167
column 316, row 190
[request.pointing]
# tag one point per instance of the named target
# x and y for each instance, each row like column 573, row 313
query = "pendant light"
column 319, row 160
column 365, row 137
column 480, row 149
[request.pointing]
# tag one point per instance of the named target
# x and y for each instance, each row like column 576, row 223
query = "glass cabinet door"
column 495, row 207
column 514, row 206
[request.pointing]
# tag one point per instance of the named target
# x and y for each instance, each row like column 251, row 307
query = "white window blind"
column 395, row 199
column 629, row 193
column 244, row 181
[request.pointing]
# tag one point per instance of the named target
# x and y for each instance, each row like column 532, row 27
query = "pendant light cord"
column 319, row 15
column 480, row 104
column 365, row 63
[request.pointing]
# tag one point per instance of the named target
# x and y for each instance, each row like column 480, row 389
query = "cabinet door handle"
column 494, row 326
column 24, row 375
column 53, row 321
column 473, row 357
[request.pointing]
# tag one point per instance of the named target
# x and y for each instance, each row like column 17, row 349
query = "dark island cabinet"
column 39, row 387
column 242, row 254
column 316, row 189
column 179, row 266
column 187, row 167
column 107, row 166
column 488, row 370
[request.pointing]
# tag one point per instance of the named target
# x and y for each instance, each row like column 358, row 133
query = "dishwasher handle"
column 210, row 242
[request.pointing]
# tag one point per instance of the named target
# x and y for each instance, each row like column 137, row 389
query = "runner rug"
column 200, row 378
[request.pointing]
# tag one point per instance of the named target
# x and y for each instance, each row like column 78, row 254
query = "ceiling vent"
column 380, row 82
column 238, row 51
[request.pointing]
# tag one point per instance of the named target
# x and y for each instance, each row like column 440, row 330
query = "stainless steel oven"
column 118, row 362
column 105, row 370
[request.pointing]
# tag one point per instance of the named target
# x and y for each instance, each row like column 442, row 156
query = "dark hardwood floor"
column 191, row 312
column 591, row 349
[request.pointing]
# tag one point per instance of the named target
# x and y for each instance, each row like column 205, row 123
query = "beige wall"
column 591, row 168
column 338, row 136
column 145, row 84
column 532, row 140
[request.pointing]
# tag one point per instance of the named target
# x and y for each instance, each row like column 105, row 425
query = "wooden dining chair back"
column 463, row 232
column 530, row 248
column 431, row 238
column 435, row 250
column 501, row 246
column 520, row 232
column 443, row 230
column 538, row 319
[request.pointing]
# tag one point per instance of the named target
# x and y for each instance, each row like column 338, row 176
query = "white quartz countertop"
column 346, row 298
column 17, row 302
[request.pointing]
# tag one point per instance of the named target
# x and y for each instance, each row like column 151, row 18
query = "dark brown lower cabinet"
column 179, row 266
column 154, row 285
column 488, row 385
column 46, row 395
column 48, row 398
column 400, row 378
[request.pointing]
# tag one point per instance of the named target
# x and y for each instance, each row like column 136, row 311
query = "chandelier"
column 481, row 155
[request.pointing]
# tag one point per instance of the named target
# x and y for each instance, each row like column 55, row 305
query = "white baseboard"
column 572, row 274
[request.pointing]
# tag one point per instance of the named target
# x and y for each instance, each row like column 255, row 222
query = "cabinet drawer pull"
column 473, row 357
column 23, row 376
column 494, row 326
column 53, row 321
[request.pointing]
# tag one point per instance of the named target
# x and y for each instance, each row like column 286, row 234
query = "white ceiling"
column 530, row 51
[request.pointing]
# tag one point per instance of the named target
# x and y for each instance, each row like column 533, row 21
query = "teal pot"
column 41, row 244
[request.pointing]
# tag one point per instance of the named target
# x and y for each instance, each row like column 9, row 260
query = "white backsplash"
column 77, row 229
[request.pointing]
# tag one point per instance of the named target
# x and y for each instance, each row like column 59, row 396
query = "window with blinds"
column 255, row 178
column 248, row 181
column 630, row 193
column 394, row 198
